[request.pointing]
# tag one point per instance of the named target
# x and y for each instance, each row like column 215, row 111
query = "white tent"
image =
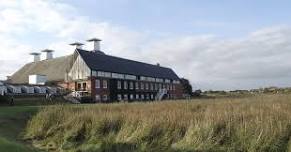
column 41, row 90
column 3, row 90
column 27, row 89
column 14, row 89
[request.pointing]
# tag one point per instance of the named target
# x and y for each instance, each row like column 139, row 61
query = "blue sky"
column 223, row 17
column 218, row 45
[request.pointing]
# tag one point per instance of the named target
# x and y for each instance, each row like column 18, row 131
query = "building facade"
column 106, row 78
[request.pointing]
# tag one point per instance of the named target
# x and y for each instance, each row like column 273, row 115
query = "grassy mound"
column 259, row 123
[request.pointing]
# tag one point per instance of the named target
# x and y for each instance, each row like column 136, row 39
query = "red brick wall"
column 99, row 91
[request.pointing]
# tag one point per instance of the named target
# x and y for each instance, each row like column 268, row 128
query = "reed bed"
column 257, row 123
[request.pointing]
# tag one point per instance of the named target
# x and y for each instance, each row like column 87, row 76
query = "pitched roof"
column 107, row 63
column 55, row 69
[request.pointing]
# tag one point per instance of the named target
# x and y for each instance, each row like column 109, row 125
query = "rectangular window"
column 152, row 96
column 119, row 97
column 174, row 87
column 131, row 97
column 136, row 96
column 160, row 86
column 105, row 97
column 147, row 86
column 94, row 73
column 105, row 84
column 97, row 98
column 136, row 85
column 156, row 87
column 142, row 97
column 97, row 83
column 125, row 85
column 131, row 85
column 130, row 77
column 118, row 84
column 152, row 86
column 141, row 86
column 125, row 97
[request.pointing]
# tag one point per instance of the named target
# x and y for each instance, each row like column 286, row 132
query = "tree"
column 187, row 87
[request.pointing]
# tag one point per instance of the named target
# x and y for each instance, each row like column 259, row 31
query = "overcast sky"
column 217, row 45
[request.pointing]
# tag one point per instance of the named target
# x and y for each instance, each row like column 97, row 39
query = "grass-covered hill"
column 257, row 123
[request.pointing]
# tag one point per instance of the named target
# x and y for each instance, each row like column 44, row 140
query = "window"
column 84, row 86
column 148, row 97
column 152, row 96
column 119, row 97
column 152, row 86
column 125, row 85
column 147, row 86
column 168, row 87
column 136, row 85
column 125, row 97
column 131, row 97
column 118, row 84
column 131, row 85
column 97, row 98
column 142, row 97
column 160, row 86
column 79, row 86
column 156, row 86
column 104, row 84
column 94, row 73
column 97, row 83
column 174, row 87
column 105, row 97
column 136, row 96
column 141, row 86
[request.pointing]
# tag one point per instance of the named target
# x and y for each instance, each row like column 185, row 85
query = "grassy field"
column 257, row 123
column 12, row 124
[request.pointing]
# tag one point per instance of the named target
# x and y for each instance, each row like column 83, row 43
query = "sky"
column 217, row 45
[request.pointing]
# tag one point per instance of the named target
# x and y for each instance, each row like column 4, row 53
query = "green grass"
column 12, row 124
column 258, row 123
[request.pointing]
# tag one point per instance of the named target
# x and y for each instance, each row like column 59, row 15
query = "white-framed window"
column 94, row 73
column 160, row 86
column 142, row 97
column 97, row 83
column 105, row 84
column 147, row 86
column 136, row 96
column 105, row 97
column 152, row 86
column 131, row 97
column 97, row 97
column 156, row 86
column 147, row 96
column 142, row 78
column 168, row 87
column 125, row 97
column 136, row 86
column 131, row 85
column 119, row 97
column 174, row 87
column 118, row 84
column 125, row 86
column 152, row 96
column 141, row 86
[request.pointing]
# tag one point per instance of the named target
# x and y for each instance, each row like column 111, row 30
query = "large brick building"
column 104, row 77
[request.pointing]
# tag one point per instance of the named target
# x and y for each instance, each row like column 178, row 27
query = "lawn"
column 256, row 123
column 12, row 124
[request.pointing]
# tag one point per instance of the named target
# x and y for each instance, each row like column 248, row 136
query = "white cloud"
column 261, row 58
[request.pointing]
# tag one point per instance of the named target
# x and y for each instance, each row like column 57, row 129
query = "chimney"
column 49, row 54
column 78, row 45
column 96, row 43
column 36, row 56
column 158, row 64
